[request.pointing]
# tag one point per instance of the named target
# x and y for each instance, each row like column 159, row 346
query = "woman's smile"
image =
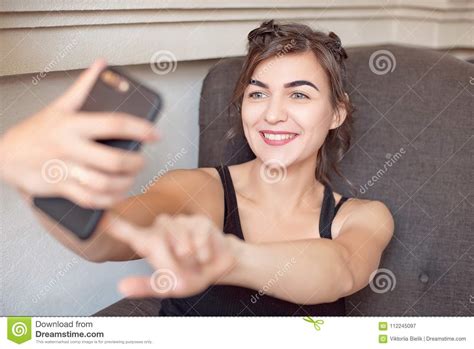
column 275, row 138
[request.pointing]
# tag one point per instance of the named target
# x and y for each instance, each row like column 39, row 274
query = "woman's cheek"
column 252, row 112
column 251, row 115
column 315, row 126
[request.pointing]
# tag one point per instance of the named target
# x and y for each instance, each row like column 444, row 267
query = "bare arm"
column 170, row 194
column 309, row 271
column 316, row 271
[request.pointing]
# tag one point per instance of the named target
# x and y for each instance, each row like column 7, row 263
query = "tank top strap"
column 231, row 211
column 232, row 223
column 339, row 204
column 328, row 212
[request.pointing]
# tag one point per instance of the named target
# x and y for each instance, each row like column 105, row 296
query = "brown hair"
column 274, row 40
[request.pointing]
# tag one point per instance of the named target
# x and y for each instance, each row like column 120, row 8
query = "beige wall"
column 36, row 33
column 37, row 275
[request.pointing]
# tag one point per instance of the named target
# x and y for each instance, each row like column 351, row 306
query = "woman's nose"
column 276, row 112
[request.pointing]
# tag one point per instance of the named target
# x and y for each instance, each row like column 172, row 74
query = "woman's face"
column 286, row 109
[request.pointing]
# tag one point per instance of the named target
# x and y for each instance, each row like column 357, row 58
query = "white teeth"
column 278, row 137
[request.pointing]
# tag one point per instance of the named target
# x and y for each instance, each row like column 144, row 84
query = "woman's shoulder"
column 199, row 189
column 191, row 179
column 360, row 210
column 195, row 182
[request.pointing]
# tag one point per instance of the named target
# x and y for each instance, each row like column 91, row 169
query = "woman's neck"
column 281, row 189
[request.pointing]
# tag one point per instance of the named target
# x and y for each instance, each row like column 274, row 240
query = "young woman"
column 236, row 240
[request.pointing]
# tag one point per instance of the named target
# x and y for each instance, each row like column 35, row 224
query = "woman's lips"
column 275, row 138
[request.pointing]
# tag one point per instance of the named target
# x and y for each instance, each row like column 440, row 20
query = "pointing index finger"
column 135, row 236
column 73, row 98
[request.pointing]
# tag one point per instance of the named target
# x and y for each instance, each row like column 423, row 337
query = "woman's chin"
column 275, row 160
column 277, row 156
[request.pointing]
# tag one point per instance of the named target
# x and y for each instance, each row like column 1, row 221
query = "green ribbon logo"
column 19, row 329
column 315, row 323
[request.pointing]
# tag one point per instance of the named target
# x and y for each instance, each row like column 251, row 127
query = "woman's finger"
column 115, row 126
column 106, row 158
column 138, row 238
column 202, row 241
column 179, row 240
column 137, row 287
column 75, row 96
column 99, row 181
column 87, row 198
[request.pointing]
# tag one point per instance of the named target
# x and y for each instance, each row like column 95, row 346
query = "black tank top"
column 226, row 300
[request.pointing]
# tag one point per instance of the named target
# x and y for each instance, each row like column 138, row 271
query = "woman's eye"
column 299, row 95
column 256, row 95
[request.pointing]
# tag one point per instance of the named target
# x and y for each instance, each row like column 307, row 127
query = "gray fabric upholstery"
column 132, row 307
column 419, row 116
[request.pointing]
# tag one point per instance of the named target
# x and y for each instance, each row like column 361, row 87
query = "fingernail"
column 153, row 135
column 100, row 61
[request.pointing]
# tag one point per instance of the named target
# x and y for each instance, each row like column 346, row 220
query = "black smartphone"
column 113, row 91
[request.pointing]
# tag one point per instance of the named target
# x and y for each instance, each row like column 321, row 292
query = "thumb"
column 75, row 96
column 137, row 287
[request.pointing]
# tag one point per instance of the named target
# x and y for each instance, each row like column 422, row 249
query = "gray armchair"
column 412, row 149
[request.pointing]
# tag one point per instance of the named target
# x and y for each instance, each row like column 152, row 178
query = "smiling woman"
column 296, row 251
column 279, row 53
column 268, row 236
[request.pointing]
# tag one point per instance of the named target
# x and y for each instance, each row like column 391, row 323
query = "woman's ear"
column 339, row 114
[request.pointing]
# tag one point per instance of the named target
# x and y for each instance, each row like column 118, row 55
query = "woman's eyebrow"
column 300, row 83
column 287, row 85
column 258, row 83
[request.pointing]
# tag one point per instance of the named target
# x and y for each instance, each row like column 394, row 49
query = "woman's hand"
column 189, row 253
column 54, row 153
